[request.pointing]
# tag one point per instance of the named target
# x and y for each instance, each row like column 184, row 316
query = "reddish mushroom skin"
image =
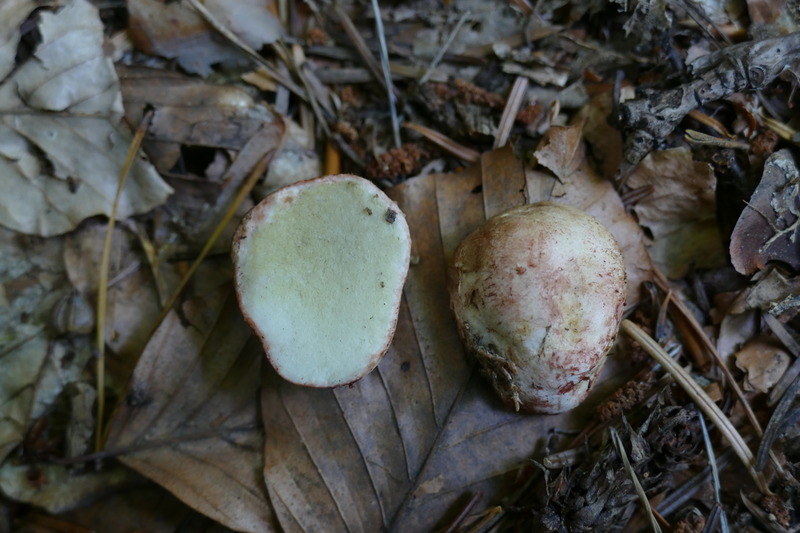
column 538, row 294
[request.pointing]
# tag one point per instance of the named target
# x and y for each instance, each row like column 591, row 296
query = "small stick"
column 514, row 102
column 443, row 50
column 443, row 141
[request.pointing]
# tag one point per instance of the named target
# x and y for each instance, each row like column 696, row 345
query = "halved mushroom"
column 319, row 273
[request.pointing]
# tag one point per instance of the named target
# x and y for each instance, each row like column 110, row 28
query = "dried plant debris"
column 749, row 66
column 400, row 162
column 769, row 226
column 599, row 495
column 460, row 108
column 62, row 146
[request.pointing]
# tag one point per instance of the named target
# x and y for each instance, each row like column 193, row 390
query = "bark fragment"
column 749, row 66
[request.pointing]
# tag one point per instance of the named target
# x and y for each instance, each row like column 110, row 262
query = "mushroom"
column 538, row 294
column 319, row 272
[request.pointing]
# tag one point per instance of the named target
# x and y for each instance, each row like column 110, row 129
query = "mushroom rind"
column 538, row 294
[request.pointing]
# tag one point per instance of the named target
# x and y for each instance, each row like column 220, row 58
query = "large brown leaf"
column 399, row 448
column 190, row 421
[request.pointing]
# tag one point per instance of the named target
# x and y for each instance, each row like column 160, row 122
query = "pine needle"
column 102, row 289
column 387, row 75
column 616, row 440
column 699, row 396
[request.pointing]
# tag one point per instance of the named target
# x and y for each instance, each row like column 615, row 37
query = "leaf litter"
column 421, row 443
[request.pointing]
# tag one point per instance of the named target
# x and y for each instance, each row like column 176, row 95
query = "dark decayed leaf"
column 398, row 449
column 768, row 228
column 190, row 419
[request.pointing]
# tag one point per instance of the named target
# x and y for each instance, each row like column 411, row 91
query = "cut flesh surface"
column 320, row 267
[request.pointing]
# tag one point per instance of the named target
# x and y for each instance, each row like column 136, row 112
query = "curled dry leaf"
column 190, row 422
column 398, row 449
column 764, row 364
column 60, row 167
column 769, row 227
column 680, row 212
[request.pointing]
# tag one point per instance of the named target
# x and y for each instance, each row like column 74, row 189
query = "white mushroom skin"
column 538, row 294
column 319, row 272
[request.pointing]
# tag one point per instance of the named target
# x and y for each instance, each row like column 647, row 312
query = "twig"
column 462, row 515
column 387, row 75
column 102, row 289
column 620, row 447
column 514, row 102
column 700, row 398
column 361, row 46
column 459, row 150
column 749, row 66
column 443, row 50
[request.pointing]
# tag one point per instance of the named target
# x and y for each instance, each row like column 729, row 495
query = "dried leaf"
column 132, row 301
column 175, row 30
column 12, row 13
column 190, row 420
column 57, row 488
column 764, row 364
column 36, row 363
column 680, row 212
column 769, row 227
column 189, row 112
column 577, row 184
column 149, row 508
column 398, row 449
column 773, row 292
column 57, row 169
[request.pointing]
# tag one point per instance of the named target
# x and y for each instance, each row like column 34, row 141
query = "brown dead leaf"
column 175, row 30
column 764, row 364
column 680, row 212
column 190, row 420
column 189, row 112
column 769, row 227
column 577, row 184
column 397, row 449
column 148, row 508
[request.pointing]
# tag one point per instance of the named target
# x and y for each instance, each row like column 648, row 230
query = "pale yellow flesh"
column 320, row 274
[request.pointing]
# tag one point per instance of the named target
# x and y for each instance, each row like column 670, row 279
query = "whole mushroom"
column 538, row 294
column 319, row 272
